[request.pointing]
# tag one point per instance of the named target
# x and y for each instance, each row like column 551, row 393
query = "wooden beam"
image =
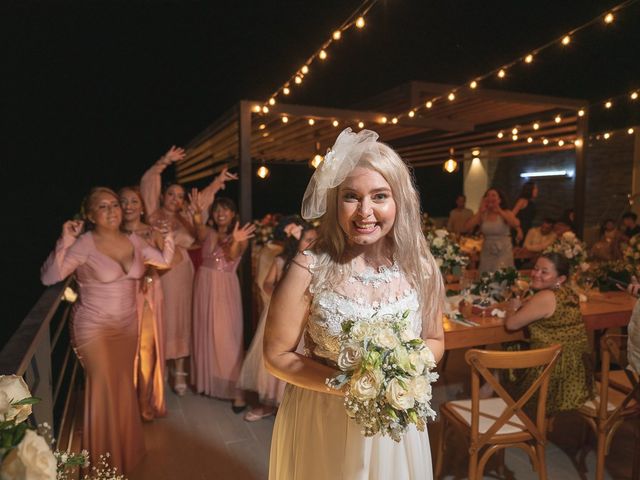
column 246, row 208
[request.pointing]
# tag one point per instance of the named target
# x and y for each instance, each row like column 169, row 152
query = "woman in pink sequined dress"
column 217, row 305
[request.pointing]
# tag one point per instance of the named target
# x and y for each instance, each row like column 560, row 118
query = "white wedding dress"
column 313, row 438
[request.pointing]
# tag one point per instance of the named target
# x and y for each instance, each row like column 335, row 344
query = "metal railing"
column 40, row 351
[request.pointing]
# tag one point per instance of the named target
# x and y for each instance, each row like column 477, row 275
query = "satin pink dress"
column 177, row 283
column 104, row 332
column 217, row 323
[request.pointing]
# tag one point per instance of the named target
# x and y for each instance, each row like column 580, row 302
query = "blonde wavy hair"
column 407, row 242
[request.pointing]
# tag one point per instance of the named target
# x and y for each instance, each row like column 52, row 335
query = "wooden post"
column 579, row 192
column 246, row 209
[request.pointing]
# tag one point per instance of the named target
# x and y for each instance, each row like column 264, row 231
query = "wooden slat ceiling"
column 471, row 121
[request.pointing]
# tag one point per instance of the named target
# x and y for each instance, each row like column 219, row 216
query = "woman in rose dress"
column 299, row 235
column 166, row 208
column 109, row 265
column 149, row 375
column 217, row 305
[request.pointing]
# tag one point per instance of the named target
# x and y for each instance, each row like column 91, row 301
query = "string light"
column 514, row 137
column 305, row 69
column 312, row 122
column 360, row 22
column 316, row 160
column 502, row 73
column 577, row 142
column 634, row 95
column 429, row 104
column 536, row 126
column 256, row 108
column 514, row 131
column 265, row 109
column 262, row 126
column 360, row 124
column 335, row 123
column 383, row 120
column 545, row 141
column 322, row 55
column 337, row 35
column 285, row 119
column 394, row 120
column 298, row 79
column 451, row 97
column 272, row 101
column 581, row 112
column 630, row 131
column 607, row 136
column 500, row 134
column 473, row 85
column 608, row 18
column 286, row 90
column 608, row 104
column 566, row 40
column 412, row 114
column 262, row 172
column 560, row 143
column 528, row 58
column 530, row 140
column 558, row 119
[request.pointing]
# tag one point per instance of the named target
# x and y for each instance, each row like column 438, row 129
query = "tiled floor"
column 202, row 439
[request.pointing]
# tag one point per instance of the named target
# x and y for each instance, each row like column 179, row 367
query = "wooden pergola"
column 248, row 135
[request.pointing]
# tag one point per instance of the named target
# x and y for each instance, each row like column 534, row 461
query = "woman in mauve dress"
column 299, row 236
column 109, row 265
column 166, row 208
column 217, row 304
column 149, row 373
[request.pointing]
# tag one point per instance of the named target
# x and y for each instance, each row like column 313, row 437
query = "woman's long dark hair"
column 560, row 262
column 290, row 243
column 228, row 204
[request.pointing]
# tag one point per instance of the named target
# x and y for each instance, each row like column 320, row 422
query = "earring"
column 557, row 285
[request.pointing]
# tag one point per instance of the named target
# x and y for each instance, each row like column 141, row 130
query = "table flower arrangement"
column 25, row 452
column 572, row 248
column 497, row 285
column 386, row 373
column 446, row 251
column 632, row 252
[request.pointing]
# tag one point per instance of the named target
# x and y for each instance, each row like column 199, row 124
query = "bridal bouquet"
column 25, row 452
column 445, row 250
column 572, row 248
column 387, row 375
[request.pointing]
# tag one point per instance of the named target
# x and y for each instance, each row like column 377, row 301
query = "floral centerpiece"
column 446, row 251
column 572, row 248
column 25, row 452
column 632, row 253
column 607, row 276
column 264, row 229
column 386, row 372
column 495, row 284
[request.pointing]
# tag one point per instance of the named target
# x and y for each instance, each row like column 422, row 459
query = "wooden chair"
column 494, row 424
column 617, row 398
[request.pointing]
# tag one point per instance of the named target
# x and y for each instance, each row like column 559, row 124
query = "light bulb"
column 262, row 126
column 265, row 109
column 473, row 84
column 256, row 108
column 263, row 172
column 528, row 58
column 305, row 69
column 383, row 120
column 502, row 73
column 566, row 40
column 514, row 137
column 558, row 119
column 608, row 104
column 450, row 165
column 286, row 90
column 360, row 124
column 323, row 55
column 607, row 136
column 298, row 79
column 608, row 18
column 312, row 122
column 285, row 119
column 630, row 131
column 316, row 160
column 577, row 142
column 536, row 126
column 451, row 97
column 394, row 120
column 335, row 123
column 500, row 134
column 514, row 131
column 272, row 101
column 412, row 114
column 634, row 95
column 545, row 141
column 581, row 112
column 530, row 140
column 560, row 143
column 429, row 104
column 265, row 134
column 337, row 34
column 475, row 152
column 360, row 22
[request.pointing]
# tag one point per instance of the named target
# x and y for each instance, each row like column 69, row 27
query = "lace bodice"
column 360, row 297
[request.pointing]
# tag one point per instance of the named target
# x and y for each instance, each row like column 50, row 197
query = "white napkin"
column 496, row 312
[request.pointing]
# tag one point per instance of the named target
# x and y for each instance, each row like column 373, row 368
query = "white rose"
column 366, row 385
column 438, row 242
column 408, row 334
column 420, row 388
column 360, row 330
column 399, row 397
column 417, row 362
column 349, row 357
column 32, row 459
column 427, row 357
column 386, row 338
column 441, row 233
column 13, row 389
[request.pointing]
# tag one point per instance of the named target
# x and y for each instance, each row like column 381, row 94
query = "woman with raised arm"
column 495, row 222
column 166, row 208
column 299, row 236
column 369, row 260
column 149, row 375
column 217, row 303
column 109, row 265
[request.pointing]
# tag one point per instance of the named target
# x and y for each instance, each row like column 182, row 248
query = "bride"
column 370, row 258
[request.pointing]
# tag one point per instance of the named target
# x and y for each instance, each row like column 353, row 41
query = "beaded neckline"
column 376, row 277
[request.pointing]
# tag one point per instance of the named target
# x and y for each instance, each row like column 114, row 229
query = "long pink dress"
column 104, row 333
column 177, row 283
column 217, row 323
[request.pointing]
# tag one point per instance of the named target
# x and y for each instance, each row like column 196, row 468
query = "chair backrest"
column 614, row 347
column 483, row 361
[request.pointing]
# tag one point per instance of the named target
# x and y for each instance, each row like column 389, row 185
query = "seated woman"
column 553, row 316
column 608, row 245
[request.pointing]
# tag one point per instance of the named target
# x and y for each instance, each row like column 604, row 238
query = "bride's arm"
column 286, row 321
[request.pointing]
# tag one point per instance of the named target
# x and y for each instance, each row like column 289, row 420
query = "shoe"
column 238, row 408
column 179, row 388
column 252, row 416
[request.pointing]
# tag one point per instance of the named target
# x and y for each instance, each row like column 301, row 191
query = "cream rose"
column 427, row 357
column 360, row 330
column 401, row 357
column 420, row 388
column 408, row 334
column 397, row 396
column 349, row 357
column 417, row 363
column 366, row 385
column 438, row 242
column 13, row 389
column 441, row 233
column 386, row 338
column 32, row 459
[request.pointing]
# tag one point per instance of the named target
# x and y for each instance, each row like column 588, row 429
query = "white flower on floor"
column 32, row 459
column 13, row 389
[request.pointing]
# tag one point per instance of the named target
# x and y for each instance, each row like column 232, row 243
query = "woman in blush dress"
column 495, row 223
column 369, row 259
column 166, row 208
column 217, row 304
column 149, row 375
column 109, row 265
column 299, row 236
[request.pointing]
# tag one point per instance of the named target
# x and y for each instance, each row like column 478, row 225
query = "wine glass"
column 484, row 291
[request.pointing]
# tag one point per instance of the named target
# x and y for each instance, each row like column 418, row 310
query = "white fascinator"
column 339, row 161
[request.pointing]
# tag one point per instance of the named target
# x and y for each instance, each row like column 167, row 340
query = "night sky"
column 92, row 92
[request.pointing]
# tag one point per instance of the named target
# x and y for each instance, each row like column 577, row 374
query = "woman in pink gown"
column 109, row 265
column 299, row 236
column 149, row 373
column 217, row 308
column 166, row 208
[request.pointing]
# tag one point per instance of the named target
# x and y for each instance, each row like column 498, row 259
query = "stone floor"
column 202, row 439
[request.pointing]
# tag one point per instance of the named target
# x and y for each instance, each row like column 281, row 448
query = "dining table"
column 600, row 311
